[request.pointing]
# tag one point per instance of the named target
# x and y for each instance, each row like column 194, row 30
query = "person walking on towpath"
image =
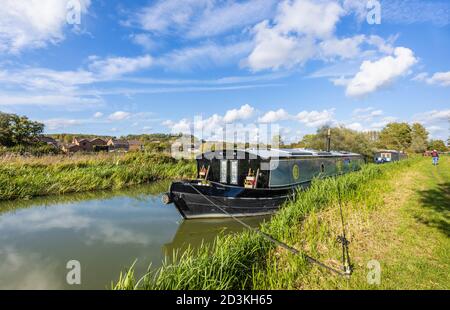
column 435, row 156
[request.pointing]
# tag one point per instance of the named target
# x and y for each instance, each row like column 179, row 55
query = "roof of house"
column 119, row 142
column 97, row 140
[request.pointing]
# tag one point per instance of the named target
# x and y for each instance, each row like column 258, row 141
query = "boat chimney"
column 329, row 140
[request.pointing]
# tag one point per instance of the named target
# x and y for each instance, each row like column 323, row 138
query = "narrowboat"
column 253, row 182
column 387, row 156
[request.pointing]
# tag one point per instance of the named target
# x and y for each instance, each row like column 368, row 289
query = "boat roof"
column 388, row 151
column 280, row 153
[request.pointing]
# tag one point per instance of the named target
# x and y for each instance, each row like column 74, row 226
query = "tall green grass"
column 247, row 260
column 23, row 178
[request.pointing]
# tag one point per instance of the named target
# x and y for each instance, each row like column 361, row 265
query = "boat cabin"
column 386, row 156
column 275, row 168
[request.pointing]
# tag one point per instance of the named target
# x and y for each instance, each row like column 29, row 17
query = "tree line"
column 19, row 131
column 396, row 136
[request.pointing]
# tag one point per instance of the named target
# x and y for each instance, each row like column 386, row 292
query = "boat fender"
column 167, row 198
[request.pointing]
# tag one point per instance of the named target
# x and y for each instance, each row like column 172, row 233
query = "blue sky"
column 152, row 66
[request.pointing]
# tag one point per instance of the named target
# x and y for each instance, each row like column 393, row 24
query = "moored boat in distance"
column 387, row 156
column 253, row 182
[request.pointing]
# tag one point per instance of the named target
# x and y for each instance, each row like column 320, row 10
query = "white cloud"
column 204, row 55
column 295, row 36
column 229, row 16
column 200, row 18
column 366, row 114
column 433, row 116
column 344, row 48
column 212, row 126
column 274, row 50
column 143, row 40
column 117, row 66
column 49, row 100
column 244, row 112
column 315, row 118
column 119, row 116
column 98, row 114
column 355, row 126
column 302, row 16
column 33, row 23
column 374, row 75
column 440, row 78
column 386, row 120
column 60, row 123
column 274, row 116
column 291, row 39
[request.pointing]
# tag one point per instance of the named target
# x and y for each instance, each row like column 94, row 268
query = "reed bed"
column 23, row 178
column 247, row 260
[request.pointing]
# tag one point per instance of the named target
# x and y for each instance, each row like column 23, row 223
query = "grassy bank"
column 389, row 218
column 26, row 177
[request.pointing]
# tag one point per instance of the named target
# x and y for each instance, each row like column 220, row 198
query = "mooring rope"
column 273, row 240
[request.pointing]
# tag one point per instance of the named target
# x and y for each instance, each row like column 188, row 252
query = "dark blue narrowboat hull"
column 215, row 200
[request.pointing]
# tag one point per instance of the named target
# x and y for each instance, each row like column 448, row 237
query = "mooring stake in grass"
column 249, row 261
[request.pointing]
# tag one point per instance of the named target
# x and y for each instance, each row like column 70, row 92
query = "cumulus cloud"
column 213, row 123
column 119, row 116
column 344, row 48
column 274, row 50
column 244, row 112
column 315, row 118
column 274, row 116
column 33, row 24
column 291, row 40
column 374, row 75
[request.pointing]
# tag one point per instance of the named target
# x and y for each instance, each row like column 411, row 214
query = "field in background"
column 396, row 214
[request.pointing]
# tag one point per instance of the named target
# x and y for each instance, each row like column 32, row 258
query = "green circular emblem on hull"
column 295, row 172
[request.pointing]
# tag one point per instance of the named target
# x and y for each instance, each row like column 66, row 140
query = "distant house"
column 84, row 144
column 48, row 140
column 135, row 145
column 118, row 145
column 71, row 148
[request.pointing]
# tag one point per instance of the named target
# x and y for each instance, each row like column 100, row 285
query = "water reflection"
column 193, row 232
column 106, row 231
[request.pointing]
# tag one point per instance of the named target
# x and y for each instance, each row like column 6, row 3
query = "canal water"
column 104, row 231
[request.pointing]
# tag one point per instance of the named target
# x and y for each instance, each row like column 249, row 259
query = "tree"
column 342, row 139
column 419, row 138
column 395, row 136
column 277, row 141
column 438, row 145
column 18, row 130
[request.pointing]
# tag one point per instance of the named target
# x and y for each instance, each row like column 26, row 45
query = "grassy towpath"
column 408, row 233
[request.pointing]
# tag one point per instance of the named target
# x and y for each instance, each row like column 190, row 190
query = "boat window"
column 234, row 172
column 223, row 171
